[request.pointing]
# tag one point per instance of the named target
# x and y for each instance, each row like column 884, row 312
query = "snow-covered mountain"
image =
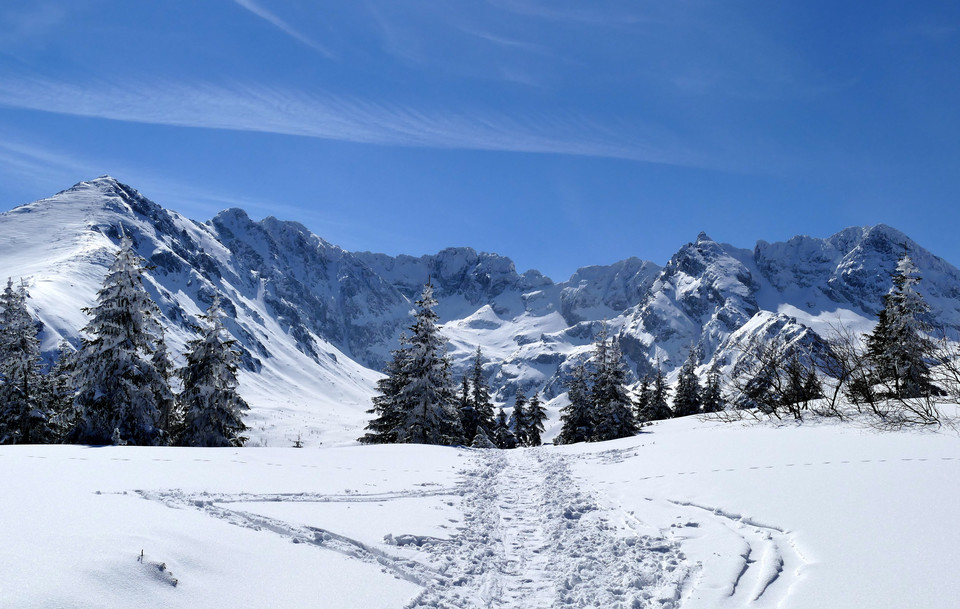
column 316, row 321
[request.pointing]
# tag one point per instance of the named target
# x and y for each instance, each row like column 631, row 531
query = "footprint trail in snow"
column 532, row 539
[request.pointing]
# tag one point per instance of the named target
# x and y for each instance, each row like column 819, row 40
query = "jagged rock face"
column 701, row 297
column 311, row 286
column 853, row 268
column 606, row 291
column 282, row 284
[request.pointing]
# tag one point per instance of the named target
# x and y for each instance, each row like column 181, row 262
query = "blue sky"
column 558, row 133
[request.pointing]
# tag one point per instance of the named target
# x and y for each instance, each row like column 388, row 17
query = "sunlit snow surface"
column 689, row 514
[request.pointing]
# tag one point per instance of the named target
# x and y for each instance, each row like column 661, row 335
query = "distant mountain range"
column 315, row 321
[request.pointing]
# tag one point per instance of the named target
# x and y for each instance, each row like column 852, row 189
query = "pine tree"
column 430, row 415
column 657, row 408
column 712, row 397
column 481, row 395
column 612, row 406
column 118, row 383
column 536, row 415
column 502, row 434
column 24, row 417
column 899, row 347
column 686, row 400
column 577, row 416
column 388, row 409
column 212, row 409
column 518, row 419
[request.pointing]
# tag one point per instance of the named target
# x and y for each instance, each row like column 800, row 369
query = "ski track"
column 769, row 561
column 529, row 538
column 762, row 561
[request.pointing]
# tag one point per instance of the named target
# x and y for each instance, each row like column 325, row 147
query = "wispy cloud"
column 282, row 111
column 555, row 12
column 39, row 166
column 283, row 26
column 47, row 170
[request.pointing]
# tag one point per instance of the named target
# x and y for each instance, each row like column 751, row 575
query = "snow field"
column 797, row 516
column 689, row 514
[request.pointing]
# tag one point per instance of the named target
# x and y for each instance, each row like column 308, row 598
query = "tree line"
column 602, row 407
column 895, row 374
column 116, row 388
column 418, row 402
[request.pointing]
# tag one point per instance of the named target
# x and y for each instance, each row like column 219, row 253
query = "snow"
column 689, row 514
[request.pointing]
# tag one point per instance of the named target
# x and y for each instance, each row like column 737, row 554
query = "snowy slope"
column 688, row 515
column 297, row 382
column 316, row 321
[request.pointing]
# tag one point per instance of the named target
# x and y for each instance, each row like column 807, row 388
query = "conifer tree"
column 502, row 434
column 24, row 417
column 641, row 402
column 430, row 414
column 118, row 383
column 613, row 413
column 212, row 409
column 60, row 389
column 481, row 395
column 712, row 398
column 468, row 414
column 388, row 410
column 577, row 416
column 171, row 416
column 899, row 347
column 482, row 440
column 518, row 419
column 657, row 408
column 686, row 400
column 536, row 415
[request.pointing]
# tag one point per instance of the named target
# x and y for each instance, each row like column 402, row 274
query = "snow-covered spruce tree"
column 430, row 412
column 577, row 416
column 482, row 440
column 469, row 420
column 657, row 408
column 536, row 415
column 171, row 416
column 502, row 434
column 60, row 389
column 24, row 417
column 686, row 400
column 518, row 419
column 387, row 408
column 641, row 401
column 711, row 399
column 120, row 391
column 481, row 395
column 613, row 410
column 899, row 348
column 212, row 409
